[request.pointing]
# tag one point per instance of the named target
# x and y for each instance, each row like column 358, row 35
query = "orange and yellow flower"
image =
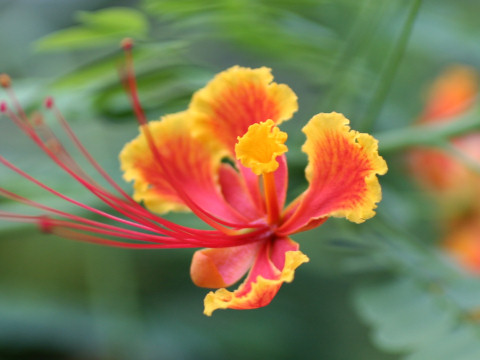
column 224, row 159
column 452, row 94
column 452, row 183
column 236, row 116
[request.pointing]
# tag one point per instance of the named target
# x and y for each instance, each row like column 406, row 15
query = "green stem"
column 390, row 69
column 360, row 33
column 462, row 157
column 428, row 134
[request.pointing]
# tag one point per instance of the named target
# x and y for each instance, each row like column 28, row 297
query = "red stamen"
column 82, row 178
column 132, row 90
column 137, row 224
column 49, row 102
column 45, row 224
column 85, row 153
column 160, row 233
column 127, row 44
column 203, row 237
column 6, row 83
column 51, row 225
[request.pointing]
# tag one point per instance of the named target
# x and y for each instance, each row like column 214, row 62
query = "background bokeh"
column 372, row 60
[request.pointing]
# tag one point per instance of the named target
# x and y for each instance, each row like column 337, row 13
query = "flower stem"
column 428, row 134
column 390, row 69
column 462, row 157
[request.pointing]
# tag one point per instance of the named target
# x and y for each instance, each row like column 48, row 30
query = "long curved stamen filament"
column 171, row 234
column 202, row 235
column 49, row 103
column 54, row 149
column 136, row 213
column 95, row 189
column 100, row 193
column 131, row 87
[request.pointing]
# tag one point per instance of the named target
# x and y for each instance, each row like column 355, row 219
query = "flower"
column 452, row 94
column 223, row 159
column 451, row 182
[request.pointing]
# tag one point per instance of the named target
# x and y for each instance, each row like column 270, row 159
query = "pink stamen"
column 164, row 234
column 51, row 225
column 131, row 87
column 61, row 119
column 201, row 234
column 85, row 181
column 49, row 102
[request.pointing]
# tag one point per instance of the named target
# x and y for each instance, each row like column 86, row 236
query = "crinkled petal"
column 342, row 172
column 237, row 98
column 275, row 264
column 260, row 146
column 216, row 268
column 191, row 166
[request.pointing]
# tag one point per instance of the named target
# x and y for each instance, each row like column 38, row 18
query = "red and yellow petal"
column 275, row 264
column 342, row 172
column 237, row 194
column 237, row 98
column 216, row 268
column 192, row 169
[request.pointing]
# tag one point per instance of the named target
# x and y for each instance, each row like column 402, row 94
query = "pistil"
column 258, row 150
column 269, row 187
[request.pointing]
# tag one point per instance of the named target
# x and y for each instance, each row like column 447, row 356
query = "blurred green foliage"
column 64, row 300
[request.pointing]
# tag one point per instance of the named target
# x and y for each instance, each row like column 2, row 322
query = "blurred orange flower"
column 454, row 185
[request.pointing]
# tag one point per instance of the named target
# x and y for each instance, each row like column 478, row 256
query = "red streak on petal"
column 131, row 87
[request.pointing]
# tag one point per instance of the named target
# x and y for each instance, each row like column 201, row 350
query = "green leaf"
column 116, row 18
column 101, row 73
column 419, row 320
column 77, row 38
column 405, row 316
column 107, row 26
column 462, row 343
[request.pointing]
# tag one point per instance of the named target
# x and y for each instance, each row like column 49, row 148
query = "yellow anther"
column 260, row 146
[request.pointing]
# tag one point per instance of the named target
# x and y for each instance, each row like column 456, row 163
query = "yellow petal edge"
column 136, row 155
column 338, row 123
column 205, row 100
column 224, row 299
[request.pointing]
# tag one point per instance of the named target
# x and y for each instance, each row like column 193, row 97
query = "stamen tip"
column 49, row 102
column 127, row 44
column 3, row 107
column 5, row 81
column 45, row 224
